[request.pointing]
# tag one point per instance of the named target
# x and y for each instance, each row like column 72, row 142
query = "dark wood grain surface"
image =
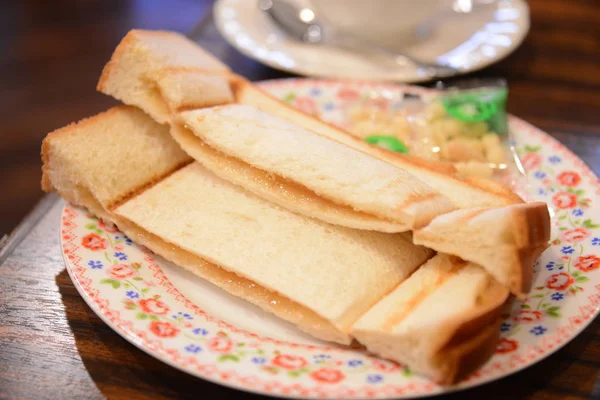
column 52, row 346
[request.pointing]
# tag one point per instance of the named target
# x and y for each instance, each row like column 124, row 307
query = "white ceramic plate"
column 466, row 41
column 198, row 328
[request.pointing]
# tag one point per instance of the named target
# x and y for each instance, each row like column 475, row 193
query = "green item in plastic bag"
column 387, row 142
column 486, row 104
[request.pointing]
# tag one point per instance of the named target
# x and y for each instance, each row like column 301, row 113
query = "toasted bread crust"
column 523, row 228
column 451, row 347
column 471, row 354
column 474, row 338
column 115, row 58
column 494, row 187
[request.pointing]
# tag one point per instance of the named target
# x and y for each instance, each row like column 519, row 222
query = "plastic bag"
column 466, row 125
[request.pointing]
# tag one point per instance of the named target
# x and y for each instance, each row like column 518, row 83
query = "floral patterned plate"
column 198, row 328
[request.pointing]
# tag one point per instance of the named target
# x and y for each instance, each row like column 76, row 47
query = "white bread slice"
column 72, row 168
column 336, row 272
column 442, row 321
column 306, row 319
column 110, row 152
column 328, row 169
column 464, row 193
column 277, row 190
column 505, row 241
column 164, row 72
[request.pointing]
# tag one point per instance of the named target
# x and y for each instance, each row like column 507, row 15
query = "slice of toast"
column 443, row 321
column 164, row 72
column 467, row 193
column 301, row 161
column 506, row 241
column 318, row 276
column 277, row 190
column 336, row 272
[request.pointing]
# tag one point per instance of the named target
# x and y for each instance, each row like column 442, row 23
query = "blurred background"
column 52, row 53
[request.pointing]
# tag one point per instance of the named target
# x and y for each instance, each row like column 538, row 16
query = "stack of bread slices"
column 347, row 241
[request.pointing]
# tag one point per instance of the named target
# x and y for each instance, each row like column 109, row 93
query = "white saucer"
column 467, row 41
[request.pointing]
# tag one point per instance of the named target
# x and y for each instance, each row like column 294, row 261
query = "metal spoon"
column 310, row 30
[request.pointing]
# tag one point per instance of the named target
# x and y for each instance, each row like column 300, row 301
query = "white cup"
column 386, row 22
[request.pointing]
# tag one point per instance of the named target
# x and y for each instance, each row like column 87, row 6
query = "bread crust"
column 449, row 348
column 516, row 234
column 121, row 48
column 472, row 341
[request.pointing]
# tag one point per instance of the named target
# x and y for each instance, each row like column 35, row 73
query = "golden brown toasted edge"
column 532, row 224
column 531, row 235
column 472, row 340
column 494, row 187
column 121, row 48
column 526, row 236
column 239, row 84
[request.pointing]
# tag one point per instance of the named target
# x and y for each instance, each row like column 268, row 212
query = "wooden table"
column 52, row 346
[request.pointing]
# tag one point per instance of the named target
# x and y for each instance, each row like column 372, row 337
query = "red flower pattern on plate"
column 528, row 316
column 121, row 271
column 348, row 94
column 380, row 103
column 93, row 242
column 163, row 329
column 289, row 362
column 220, row 344
column 568, row 178
column 108, row 228
column 575, row 235
column 564, row 200
column 153, row 306
column 307, row 105
column 327, row 375
column 560, row 281
column 587, row 263
column 506, row 346
column 531, row 160
column 386, row 365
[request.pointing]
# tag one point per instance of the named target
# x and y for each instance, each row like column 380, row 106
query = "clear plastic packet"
column 465, row 124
